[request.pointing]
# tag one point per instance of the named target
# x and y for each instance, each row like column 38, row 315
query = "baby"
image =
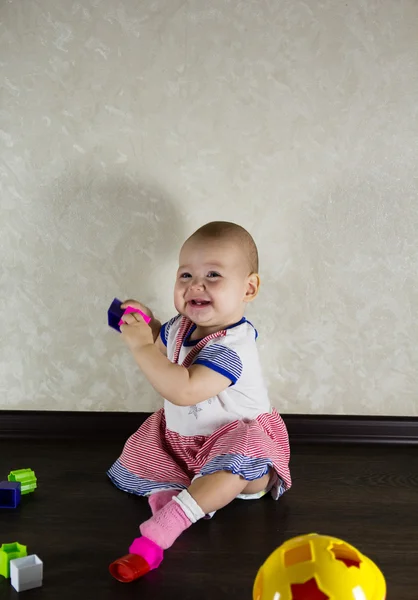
column 217, row 437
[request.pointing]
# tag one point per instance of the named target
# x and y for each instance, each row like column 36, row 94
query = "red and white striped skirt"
column 155, row 458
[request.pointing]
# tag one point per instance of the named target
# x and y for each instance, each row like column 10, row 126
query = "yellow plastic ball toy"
column 318, row 567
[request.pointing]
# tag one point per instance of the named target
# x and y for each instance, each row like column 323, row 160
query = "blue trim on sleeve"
column 221, row 359
column 220, row 370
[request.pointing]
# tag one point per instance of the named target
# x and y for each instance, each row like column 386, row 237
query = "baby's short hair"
column 224, row 230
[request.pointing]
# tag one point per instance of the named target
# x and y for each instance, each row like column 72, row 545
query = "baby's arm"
column 160, row 345
column 177, row 384
column 181, row 386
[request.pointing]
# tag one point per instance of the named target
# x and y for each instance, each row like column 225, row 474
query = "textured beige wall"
column 126, row 124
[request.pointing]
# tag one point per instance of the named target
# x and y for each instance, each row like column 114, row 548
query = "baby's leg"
column 205, row 495
column 215, row 491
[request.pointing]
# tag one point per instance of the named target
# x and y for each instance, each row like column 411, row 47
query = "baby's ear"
column 253, row 285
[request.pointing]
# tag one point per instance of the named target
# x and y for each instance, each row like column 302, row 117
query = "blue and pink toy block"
column 115, row 314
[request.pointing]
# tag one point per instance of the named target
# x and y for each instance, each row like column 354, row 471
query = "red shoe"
column 129, row 567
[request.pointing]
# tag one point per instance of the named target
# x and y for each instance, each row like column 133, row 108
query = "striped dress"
column 236, row 431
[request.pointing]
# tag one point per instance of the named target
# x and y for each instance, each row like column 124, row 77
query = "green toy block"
column 27, row 480
column 7, row 553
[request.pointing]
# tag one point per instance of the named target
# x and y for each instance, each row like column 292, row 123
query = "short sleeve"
column 165, row 329
column 222, row 359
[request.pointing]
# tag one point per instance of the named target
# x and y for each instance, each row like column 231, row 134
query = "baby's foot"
column 144, row 555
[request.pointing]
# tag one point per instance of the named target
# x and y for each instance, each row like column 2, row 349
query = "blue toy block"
column 114, row 314
column 10, row 492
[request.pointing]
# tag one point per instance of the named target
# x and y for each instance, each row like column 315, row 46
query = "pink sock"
column 160, row 499
column 146, row 552
column 166, row 525
column 158, row 534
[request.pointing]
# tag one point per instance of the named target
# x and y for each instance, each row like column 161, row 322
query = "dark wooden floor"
column 77, row 522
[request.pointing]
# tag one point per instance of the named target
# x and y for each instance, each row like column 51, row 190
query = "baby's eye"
column 213, row 274
column 185, row 275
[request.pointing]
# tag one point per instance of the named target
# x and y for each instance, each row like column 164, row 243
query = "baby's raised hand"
column 139, row 306
column 135, row 331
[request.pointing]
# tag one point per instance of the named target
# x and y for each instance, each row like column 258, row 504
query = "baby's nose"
column 196, row 283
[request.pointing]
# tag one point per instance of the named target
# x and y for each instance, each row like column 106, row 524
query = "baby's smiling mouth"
column 199, row 302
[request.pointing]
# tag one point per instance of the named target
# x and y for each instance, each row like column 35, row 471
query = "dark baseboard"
column 308, row 429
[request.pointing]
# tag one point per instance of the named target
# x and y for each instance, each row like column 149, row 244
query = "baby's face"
column 212, row 283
